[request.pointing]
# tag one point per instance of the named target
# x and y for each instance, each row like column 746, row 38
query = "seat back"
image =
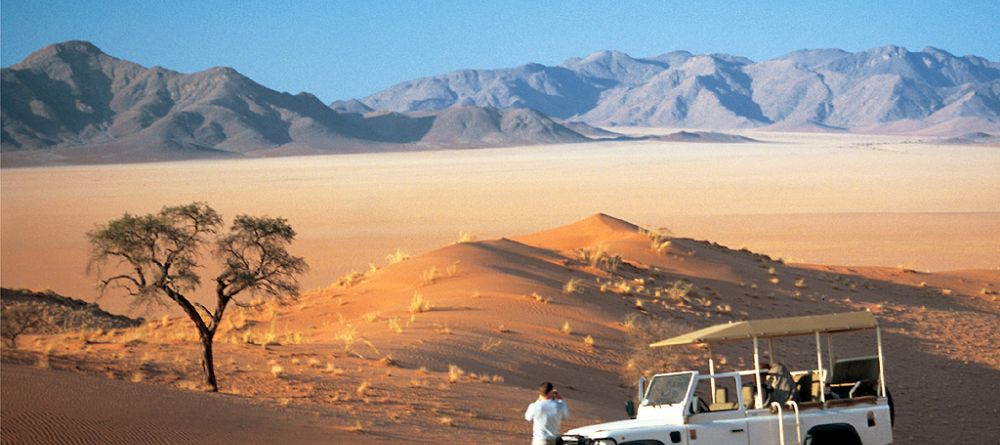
column 851, row 370
column 748, row 396
column 848, row 372
column 803, row 388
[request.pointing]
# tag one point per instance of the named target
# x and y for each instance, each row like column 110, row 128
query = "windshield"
column 668, row 389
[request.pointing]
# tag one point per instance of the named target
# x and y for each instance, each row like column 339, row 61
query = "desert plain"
column 796, row 224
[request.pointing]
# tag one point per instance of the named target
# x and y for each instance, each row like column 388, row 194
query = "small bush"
column 490, row 345
column 431, row 275
column 419, row 304
column 454, row 373
column 540, row 298
column 566, row 328
column 465, row 237
column 395, row 326
column 572, row 286
column 397, row 257
column 277, row 370
column 350, row 279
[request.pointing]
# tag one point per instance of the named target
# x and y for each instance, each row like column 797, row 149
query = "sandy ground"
column 830, row 199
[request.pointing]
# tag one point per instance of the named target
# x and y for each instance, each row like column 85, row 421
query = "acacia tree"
column 156, row 255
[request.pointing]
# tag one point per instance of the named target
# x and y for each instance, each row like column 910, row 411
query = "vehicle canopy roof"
column 775, row 327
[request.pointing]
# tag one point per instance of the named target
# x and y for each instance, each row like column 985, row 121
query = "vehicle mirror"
column 630, row 409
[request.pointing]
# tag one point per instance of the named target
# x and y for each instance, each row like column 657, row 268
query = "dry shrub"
column 397, row 257
column 566, row 328
column 465, row 237
column 430, row 276
column 572, row 286
column 419, row 304
column 540, row 298
column 490, row 345
column 350, row 279
column 454, row 373
column 277, row 370
column 589, row 341
column 395, row 325
column 362, row 388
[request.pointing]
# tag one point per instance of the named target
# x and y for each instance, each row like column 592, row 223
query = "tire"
column 892, row 408
column 833, row 434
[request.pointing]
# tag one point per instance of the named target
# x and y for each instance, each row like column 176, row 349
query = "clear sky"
column 341, row 49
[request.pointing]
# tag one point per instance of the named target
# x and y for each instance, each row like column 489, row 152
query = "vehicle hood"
column 612, row 428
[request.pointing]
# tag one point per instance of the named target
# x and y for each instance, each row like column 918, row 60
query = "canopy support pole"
column 759, row 402
column 711, row 370
column 770, row 351
column 819, row 369
column 881, row 369
column 829, row 348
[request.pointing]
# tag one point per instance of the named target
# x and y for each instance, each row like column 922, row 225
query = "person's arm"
column 563, row 409
column 529, row 414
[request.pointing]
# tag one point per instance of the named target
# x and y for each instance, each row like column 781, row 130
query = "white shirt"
column 546, row 415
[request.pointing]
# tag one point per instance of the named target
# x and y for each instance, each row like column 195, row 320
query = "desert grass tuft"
column 566, row 328
column 490, row 345
column 454, row 373
column 397, row 257
column 362, row 388
column 430, row 276
column 572, row 286
column 540, row 298
column 419, row 304
column 465, row 237
column 350, row 279
column 277, row 370
column 395, row 325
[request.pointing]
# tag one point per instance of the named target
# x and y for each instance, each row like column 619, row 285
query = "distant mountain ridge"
column 72, row 103
column 887, row 88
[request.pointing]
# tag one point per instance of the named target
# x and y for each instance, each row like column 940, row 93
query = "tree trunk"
column 207, row 363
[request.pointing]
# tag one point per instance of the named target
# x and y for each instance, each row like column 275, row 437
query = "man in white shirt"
column 547, row 413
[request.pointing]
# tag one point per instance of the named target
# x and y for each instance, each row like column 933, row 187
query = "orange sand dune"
column 825, row 199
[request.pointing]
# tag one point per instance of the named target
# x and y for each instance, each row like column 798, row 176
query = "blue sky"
column 340, row 49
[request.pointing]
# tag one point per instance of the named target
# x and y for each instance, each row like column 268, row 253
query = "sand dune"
column 846, row 199
column 358, row 360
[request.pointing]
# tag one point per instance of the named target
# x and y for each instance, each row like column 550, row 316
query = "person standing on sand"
column 547, row 413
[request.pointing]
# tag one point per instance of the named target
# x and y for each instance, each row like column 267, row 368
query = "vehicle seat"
column 803, row 388
column 848, row 373
column 748, row 396
column 722, row 402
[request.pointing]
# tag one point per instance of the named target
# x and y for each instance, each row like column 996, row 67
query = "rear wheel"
column 833, row 434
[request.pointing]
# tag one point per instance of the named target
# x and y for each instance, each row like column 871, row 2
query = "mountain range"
column 72, row 103
column 886, row 89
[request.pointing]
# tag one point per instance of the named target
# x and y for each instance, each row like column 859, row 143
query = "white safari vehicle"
column 846, row 404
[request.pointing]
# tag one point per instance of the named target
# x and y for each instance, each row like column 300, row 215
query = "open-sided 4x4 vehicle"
column 846, row 406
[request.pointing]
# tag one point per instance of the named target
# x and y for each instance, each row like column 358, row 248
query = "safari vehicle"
column 845, row 406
